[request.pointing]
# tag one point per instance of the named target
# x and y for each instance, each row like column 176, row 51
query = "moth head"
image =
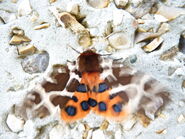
column 89, row 61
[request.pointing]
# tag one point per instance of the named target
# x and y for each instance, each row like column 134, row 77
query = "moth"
column 94, row 83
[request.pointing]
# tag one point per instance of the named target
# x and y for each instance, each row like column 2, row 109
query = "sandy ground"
column 14, row 81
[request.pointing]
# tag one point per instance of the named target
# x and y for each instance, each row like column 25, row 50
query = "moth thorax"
column 89, row 61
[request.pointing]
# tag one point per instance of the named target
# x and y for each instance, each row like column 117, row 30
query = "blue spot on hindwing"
column 117, row 107
column 102, row 106
column 92, row 102
column 84, row 105
column 75, row 99
column 102, row 87
column 71, row 111
column 81, row 88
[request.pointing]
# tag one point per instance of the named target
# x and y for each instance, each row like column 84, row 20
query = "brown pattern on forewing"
column 72, row 85
column 33, row 98
column 144, row 93
column 121, row 94
column 59, row 100
column 43, row 100
column 37, row 98
column 122, row 79
column 60, row 79
column 41, row 112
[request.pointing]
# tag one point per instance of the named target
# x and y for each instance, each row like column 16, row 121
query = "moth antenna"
column 111, row 34
column 105, row 54
column 69, row 61
column 108, row 54
column 73, row 49
column 2, row 20
column 118, row 59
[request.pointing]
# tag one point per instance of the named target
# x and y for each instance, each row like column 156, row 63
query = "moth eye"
column 102, row 87
column 71, row 111
column 81, row 88
column 117, row 107
column 84, row 105
column 92, row 102
column 75, row 99
column 102, row 106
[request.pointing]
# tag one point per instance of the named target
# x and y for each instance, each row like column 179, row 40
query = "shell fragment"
column 26, row 50
column 121, row 3
column 15, row 123
column 170, row 13
column 42, row 26
column 24, row 8
column 119, row 41
column 17, row 39
column 153, row 45
column 98, row 3
column 169, row 54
